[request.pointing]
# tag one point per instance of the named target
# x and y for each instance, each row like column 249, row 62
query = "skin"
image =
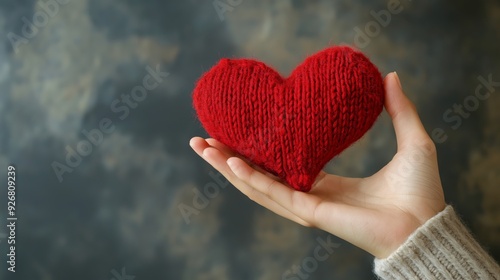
column 376, row 213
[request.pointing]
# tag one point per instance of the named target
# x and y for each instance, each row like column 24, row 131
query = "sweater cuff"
column 442, row 248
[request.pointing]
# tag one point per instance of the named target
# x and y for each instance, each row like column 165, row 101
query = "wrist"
column 409, row 226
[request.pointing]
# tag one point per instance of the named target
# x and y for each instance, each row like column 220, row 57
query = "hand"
column 376, row 213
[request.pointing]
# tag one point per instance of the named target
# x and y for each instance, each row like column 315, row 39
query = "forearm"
column 441, row 249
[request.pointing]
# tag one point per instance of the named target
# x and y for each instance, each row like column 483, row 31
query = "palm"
column 388, row 199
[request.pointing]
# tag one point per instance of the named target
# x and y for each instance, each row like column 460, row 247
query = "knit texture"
column 291, row 127
column 442, row 248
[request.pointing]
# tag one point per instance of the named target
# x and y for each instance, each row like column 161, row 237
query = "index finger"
column 299, row 203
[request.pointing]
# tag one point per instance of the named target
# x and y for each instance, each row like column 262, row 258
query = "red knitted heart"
column 291, row 127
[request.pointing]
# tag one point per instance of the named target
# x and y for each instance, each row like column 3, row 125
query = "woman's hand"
column 376, row 213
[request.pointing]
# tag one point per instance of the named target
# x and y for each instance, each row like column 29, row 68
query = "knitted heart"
column 291, row 127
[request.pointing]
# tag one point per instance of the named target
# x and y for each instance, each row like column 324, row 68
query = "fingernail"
column 230, row 163
column 205, row 152
column 397, row 79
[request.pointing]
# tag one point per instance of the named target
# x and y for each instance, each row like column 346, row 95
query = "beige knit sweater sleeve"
column 442, row 248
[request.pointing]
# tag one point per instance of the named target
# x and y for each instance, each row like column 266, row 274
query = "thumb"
column 407, row 124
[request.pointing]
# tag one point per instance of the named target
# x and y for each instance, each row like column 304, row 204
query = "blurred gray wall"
column 66, row 66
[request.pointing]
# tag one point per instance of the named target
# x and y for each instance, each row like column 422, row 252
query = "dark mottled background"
column 119, row 207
